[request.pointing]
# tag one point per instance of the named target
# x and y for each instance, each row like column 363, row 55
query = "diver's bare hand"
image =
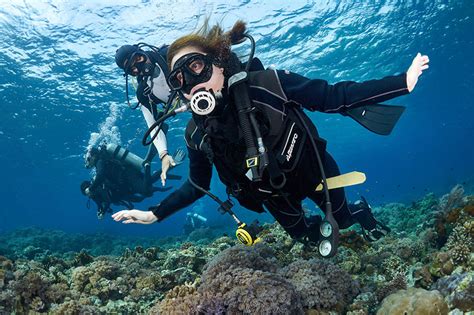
column 135, row 216
column 419, row 63
column 167, row 162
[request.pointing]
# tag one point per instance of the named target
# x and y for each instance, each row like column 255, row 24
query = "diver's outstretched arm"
column 135, row 216
column 338, row 98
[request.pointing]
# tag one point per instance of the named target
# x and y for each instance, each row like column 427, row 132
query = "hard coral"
column 351, row 239
column 74, row 307
column 442, row 264
column 458, row 289
column 452, row 200
column 414, row 301
column 397, row 283
column 31, row 290
column 461, row 242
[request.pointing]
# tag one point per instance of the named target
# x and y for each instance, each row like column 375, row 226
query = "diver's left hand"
column 135, row 216
column 167, row 162
column 419, row 63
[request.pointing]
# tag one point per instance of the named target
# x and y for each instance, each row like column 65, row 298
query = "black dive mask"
column 144, row 67
column 189, row 71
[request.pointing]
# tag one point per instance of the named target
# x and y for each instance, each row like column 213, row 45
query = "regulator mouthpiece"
column 203, row 102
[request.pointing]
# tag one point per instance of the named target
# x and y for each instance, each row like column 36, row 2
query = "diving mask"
column 189, row 71
column 138, row 64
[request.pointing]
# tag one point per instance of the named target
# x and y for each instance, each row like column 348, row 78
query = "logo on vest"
column 289, row 153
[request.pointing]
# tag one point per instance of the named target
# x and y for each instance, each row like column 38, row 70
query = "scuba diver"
column 119, row 178
column 193, row 222
column 150, row 69
column 251, row 126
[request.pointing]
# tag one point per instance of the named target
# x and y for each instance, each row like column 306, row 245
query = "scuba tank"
column 197, row 216
column 116, row 152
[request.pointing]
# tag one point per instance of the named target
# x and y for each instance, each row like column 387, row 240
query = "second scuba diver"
column 120, row 177
column 151, row 70
column 251, row 127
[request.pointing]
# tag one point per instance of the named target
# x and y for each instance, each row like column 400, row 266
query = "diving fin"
column 378, row 118
column 344, row 180
column 172, row 176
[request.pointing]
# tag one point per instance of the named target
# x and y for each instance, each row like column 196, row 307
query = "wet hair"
column 85, row 184
column 214, row 42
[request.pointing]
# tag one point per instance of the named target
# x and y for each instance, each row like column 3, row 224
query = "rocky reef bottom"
column 424, row 266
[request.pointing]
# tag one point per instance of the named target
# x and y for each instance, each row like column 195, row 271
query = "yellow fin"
column 344, row 180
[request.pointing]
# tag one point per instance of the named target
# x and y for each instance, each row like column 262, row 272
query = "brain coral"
column 414, row 301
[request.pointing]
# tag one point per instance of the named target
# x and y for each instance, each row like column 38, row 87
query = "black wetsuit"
column 114, row 183
column 272, row 92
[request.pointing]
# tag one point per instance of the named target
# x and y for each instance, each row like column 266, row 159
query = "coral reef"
column 245, row 279
column 430, row 248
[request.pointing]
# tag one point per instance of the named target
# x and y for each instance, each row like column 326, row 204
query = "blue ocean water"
column 61, row 91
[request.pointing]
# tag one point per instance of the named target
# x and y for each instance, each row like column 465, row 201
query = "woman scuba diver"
column 252, row 128
column 150, row 69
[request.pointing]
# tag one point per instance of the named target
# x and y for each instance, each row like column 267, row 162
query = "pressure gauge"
column 325, row 248
column 325, row 228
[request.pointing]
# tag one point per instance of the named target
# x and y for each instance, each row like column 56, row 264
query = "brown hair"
column 212, row 41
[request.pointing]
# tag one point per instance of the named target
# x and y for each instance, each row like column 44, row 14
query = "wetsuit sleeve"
column 321, row 96
column 160, row 141
column 200, row 172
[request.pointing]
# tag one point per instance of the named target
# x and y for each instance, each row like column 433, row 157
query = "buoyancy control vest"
column 283, row 134
column 153, row 89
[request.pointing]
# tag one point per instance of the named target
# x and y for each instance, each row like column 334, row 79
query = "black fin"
column 172, row 176
column 161, row 189
column 378, row 118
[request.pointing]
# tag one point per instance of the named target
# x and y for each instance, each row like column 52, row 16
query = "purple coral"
column 323, row 286
column 245, row 279
column 459, row 290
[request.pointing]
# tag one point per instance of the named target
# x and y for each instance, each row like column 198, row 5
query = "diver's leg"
column 348, row 214
column 136, row 198
column 337, row 196
column 289, row 214
column 372, row 229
